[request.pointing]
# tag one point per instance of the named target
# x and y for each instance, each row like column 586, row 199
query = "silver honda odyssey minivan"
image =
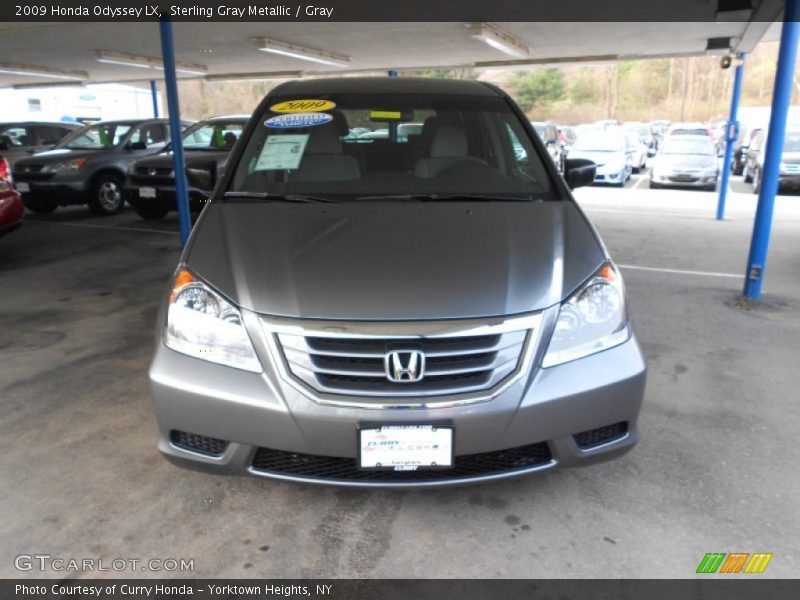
column 393, row 286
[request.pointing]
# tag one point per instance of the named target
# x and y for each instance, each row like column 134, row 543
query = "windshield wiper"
column 265, row 196
column 447, row 197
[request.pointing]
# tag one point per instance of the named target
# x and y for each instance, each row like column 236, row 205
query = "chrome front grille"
column 467, row 361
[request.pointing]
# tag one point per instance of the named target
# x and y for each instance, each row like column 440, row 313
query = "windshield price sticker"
column 282, row 152
column 292, row 120
column 297, row 106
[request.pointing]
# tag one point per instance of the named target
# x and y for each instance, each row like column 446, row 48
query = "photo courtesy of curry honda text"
column 393, row 286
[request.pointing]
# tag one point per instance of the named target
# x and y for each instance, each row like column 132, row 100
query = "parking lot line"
column 112, row 227
column 642, row 179
column 682, row 271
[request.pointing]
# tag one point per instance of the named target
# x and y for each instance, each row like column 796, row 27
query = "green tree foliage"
column 537, row 88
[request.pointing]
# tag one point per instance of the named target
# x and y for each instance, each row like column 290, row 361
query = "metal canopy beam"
column 770, row 178
column 175, row 130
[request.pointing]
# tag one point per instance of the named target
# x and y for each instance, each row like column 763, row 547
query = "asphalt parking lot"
column 716, row 470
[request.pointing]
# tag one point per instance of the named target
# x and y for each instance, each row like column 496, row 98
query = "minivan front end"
column 377, row 337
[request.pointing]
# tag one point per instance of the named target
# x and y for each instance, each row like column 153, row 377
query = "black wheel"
column 748, row 178
column 737, row 167
column 107, row 197
column 654, row 185
column 40, row 206
column 151, row 211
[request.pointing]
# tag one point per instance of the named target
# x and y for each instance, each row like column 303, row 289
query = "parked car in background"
column 150, row 184
column 548, row 133
column 11, row 209
column 741, row 148
column 659, row 128
column 789, row 170
column 338, row 318
column 685, row 161
column 23, row 138
column 638, row 150
column 5, row 169
column 567, row 137
column 645, row 133
column 89, row 165
column 610, row 150
column 695, row 128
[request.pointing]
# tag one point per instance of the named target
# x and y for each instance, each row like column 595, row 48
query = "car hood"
column 394, row 261
column 57, row 155
column 164, row 159
column 599, row 158
column 684, row 161
column 791, row 158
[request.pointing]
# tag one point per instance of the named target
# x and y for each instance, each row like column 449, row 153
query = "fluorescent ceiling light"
column 147, row 62
column 302, row 53
column 30, row 71
column 253, row 76
column 500, row 40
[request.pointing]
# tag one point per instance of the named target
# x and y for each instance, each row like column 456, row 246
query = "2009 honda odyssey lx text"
column 392, row 286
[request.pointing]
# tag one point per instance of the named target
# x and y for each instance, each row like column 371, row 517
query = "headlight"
column 201, row 323
column 594, row 318
column 68, row 165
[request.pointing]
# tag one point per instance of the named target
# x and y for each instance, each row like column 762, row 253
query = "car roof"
column 135, row 121
column 227, row 118
column 51, row 123
column 384, row 85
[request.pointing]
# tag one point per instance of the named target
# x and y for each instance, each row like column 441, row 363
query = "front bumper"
column 698, row 180
column 165, row 196
column 253, row 414
column 64, row 191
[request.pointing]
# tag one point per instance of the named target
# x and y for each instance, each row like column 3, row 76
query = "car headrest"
column 449, row 142
column 324, row 140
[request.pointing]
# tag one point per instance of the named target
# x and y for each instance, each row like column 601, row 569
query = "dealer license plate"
column 405, row 447
column 147, row 192
column 23, row 187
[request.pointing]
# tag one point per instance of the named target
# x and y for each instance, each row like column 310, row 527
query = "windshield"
column 679, row 146
column 96, row 137
column 368, row 146
column 219, row 135
column 599, row 142
column 684, row 131
column 641, row 130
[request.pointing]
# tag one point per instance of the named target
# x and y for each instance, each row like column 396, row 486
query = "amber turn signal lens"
column 182, row 279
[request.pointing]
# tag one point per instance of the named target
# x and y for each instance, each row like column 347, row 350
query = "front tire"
column 107, row 197
column 40, row 206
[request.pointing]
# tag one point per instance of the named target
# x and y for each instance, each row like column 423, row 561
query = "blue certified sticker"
column 288, row 121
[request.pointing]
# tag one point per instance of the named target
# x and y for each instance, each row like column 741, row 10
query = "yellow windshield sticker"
column 386, row 114
column 296, row 106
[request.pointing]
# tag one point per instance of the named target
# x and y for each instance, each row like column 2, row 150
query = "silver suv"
column 420, row 310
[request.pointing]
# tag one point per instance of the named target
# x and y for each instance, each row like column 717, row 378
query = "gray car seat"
column 324, row 159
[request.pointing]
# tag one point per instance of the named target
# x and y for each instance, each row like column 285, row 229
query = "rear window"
column 373, row 145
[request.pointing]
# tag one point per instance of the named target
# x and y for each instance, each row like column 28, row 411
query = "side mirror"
column 579, row 172
column 202, row 175
column 136, row 146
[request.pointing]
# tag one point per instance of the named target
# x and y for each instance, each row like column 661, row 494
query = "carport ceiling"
column 227, row 48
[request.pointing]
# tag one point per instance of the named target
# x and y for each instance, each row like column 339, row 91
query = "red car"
column 11, row 209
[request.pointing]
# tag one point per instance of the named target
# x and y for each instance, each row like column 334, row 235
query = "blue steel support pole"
column 731, row 133
column 154, row 96
column 171, row 83
column 781, row 97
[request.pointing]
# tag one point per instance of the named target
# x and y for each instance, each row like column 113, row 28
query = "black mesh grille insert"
column 601, row 435
column 198, row 443
column 346, row 469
